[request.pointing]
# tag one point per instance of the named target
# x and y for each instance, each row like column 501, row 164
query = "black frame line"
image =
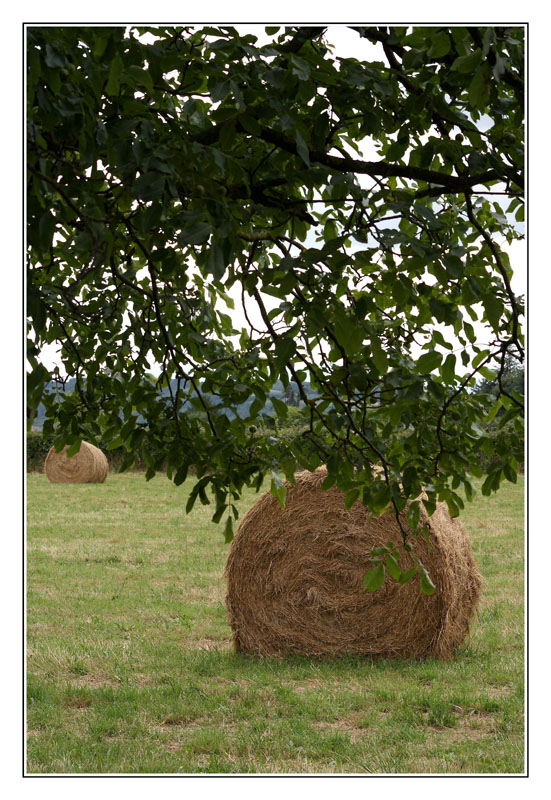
column 340, row 23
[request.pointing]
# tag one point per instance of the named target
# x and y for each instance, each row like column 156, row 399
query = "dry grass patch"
column 94, row 680
column 499, row 691
column 354, row 732
column 209, row 643
column 182, row 720
column 78, row 701
column 473, row 727
column 205, row 594
column 306, row 686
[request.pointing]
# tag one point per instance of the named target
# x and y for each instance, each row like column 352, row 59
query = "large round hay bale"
column 295, row 580
column 89, row 465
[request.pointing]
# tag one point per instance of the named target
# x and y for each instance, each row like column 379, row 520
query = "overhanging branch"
column 451, row 183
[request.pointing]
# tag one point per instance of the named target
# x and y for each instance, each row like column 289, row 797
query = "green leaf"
column 46, row 228
column 468, row 63
column 440, row 46
column 250, row 124
column 142, row 77
column 401, row 292
column 196, row 233
column 494, row 409
column 480, row 357
column 379, row 498
column 408, row 574
column 219, row 91
column 413, row 58
column 430, row 506
column 147, row 457
column 215, row 264
column 74, row 448
column 453, row 508
column 488, row 39
column 349, row 334
column 300, row 67
column 493, row 308
column 429, row 361
column 53, row 59
column 101, row 37
column 392, row 567
column 511, row 413
column 489, row 374
column 486, row 444
column 280, row 407
column 278, row 489
column 148, row 186
column 413, row 514
column 454, row 266
column 479, row 88
column 285, row 349
column 448, row 369
column 375, row 578
column 191, row 500
column 227, row 135
column 427, row 586
column 219, row 513
column 462, row 39
column 236, row 91
column 302, row 148
column 181, row 474
column 113, row 81
column 228, row 530
column 351, row 498
column 379, row 356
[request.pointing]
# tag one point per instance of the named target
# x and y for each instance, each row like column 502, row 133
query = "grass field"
column 130, row 668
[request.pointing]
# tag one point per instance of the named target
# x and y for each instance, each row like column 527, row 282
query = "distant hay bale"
column 89, row 465
column 295, row 580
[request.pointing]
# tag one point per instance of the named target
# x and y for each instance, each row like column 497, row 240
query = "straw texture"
column 295, row 580
column 89, row 465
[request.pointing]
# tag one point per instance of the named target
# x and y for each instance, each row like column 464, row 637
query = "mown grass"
column 130, row 668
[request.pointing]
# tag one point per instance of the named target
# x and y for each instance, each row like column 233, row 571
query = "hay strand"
column 89, row 465
column 295, row 580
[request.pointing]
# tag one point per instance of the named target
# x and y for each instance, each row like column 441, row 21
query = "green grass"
column 130, row 667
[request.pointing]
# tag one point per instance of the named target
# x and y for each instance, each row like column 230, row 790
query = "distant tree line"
column 505, row 389
column 295, row 425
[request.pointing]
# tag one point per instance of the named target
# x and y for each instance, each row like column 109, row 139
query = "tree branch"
column 303, row 35
column 452, row 183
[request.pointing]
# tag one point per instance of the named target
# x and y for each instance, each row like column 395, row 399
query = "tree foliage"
column 508, row 381
column 171, row 172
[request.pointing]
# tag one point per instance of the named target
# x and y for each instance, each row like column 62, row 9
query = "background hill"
column 290, row 396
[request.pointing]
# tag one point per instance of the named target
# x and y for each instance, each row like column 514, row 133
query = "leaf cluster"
column 170, row 174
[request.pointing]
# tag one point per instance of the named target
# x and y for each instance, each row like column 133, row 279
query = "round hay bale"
column 89, row 465
column 295, row 580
